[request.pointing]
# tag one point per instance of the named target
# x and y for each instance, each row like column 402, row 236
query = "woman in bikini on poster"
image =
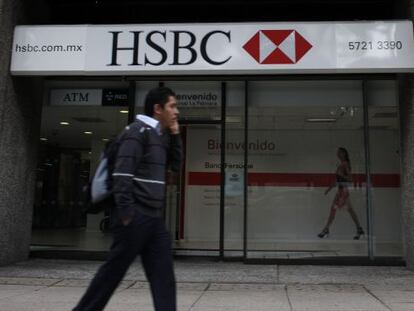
column 342, row 199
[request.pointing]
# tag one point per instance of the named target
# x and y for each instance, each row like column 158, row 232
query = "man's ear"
column 157, row 109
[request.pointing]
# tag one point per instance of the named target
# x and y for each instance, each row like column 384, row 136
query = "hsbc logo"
column 277, row 46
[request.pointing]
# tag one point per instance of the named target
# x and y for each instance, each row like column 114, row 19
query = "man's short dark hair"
column 159, row 95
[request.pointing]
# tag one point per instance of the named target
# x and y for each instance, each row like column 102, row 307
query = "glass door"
column 78, row 120
column 194, row 197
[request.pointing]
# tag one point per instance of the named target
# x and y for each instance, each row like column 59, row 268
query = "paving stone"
column 188, row 286
column 35, row 306
column 28, row 281
column 128, row 307
column 401, row 306
column 223, row 272
column 332, row 297
column 137, row 299
column 375, row 277
column 395, row 296
column 51, row 295
column 140, row 285
column 215, row 286
column 192, row 286
column 243, row 301
column 85, row 283
column 245, row 287
column 8, row 291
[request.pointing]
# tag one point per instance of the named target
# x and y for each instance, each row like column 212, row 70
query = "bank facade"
column 264, row 107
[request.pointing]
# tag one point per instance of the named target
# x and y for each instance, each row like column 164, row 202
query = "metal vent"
column 89, row 120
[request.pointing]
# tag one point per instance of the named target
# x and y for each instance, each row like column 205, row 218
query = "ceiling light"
column 105, row 139
column 321, row 120
column 88, row 133
column 64, row 123
column 43, row 138
column 123, row 111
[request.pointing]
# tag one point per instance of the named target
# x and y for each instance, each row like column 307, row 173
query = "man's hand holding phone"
column 175, row 128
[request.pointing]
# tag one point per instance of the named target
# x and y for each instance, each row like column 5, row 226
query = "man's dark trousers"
column 145, row 236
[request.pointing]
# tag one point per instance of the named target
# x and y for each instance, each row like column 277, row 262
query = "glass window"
column 195, row 213
column 197, row 101
column 305, row 137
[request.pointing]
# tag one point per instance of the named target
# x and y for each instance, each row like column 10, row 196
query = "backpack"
column 99, row 191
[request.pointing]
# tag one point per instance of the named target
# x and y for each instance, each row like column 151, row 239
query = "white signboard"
column 248, row 48
column 39, row 50
column 75, row 97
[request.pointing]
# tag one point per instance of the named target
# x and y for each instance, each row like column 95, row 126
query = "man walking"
column 146, row 147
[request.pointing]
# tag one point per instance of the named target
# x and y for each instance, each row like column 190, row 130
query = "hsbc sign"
column 156, row 51
column 207, row 49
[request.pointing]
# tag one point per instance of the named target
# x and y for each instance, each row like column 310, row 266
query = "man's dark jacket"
column 139, row 176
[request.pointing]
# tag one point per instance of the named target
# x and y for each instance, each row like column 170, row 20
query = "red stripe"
column 295, row 179
column 290, row 180
column 203, row 179
column 385, row 180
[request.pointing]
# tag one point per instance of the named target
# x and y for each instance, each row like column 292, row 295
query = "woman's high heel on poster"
column 360, row 232
column 324, row 232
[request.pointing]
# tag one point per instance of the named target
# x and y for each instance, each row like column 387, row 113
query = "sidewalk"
column 203, row 285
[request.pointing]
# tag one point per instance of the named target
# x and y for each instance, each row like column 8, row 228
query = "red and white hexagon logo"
column 277, row 46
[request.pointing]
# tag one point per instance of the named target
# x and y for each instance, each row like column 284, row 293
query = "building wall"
column 407, row 166
column 406, row 102
column 19, row 126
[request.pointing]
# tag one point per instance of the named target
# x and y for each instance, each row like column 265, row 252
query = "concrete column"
column 19, row 136
column 406, row 100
